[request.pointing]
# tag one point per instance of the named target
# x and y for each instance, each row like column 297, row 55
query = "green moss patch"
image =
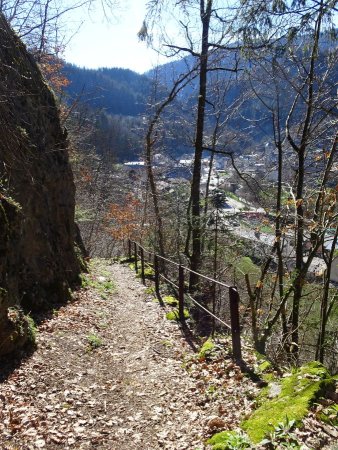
column 126, row 260
column 148, row 271
column 246, row 266
column 170, row 300
column 173, row 315
column 93, row 341
column 264, row 366
column 22, row 330
column 207, row 348
column 298, row 392
column 132, row 266
column 32, row 330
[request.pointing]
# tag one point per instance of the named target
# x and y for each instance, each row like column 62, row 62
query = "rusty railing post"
column 181, row 293
column 142, row 266
column 235, row 327
column 135, row 256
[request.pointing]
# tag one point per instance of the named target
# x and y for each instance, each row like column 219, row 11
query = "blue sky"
column 114, row 44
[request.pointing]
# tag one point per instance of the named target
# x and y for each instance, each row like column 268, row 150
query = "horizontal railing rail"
column 138, row 252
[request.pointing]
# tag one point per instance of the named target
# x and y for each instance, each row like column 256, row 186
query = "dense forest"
column 117, row 91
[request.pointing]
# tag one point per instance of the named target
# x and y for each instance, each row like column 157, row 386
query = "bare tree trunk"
column 196, row 255
column 301, row 149
column 154, row 193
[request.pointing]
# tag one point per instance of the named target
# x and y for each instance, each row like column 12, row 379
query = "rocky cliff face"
column 37, row 231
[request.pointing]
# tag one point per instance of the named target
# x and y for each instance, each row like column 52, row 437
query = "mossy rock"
column 170, row 300
column 17, row 330
column 298, row 392
column 207, row 349
column 126, row 260
column 265, row 366
column 229, row 440
column 148, row 271
column 174, row 315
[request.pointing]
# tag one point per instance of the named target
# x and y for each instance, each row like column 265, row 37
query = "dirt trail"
column 107, row 374
column 128, row 393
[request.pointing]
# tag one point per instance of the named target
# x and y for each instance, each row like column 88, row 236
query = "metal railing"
column 138, row 253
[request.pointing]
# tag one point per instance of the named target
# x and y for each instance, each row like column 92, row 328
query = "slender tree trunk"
column 299, row 279
column 196, row 234
column 211, row 165
column 278, row 231
column 300, row 275
column 154, row 194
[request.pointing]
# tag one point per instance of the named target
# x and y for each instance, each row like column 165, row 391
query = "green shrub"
column 282, row 436
column 229, row 440
column 170, row 300
column 94, row 341
column 206, row 349
column 174, row 315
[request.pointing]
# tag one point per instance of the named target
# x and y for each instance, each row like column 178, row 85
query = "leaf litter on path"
column 140, row 387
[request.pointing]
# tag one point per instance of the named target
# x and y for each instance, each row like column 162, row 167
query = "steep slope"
column 37, row 230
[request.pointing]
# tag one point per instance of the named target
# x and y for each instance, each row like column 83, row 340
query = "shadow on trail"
column 12, row 361
column 9, row 363
column 189, row 337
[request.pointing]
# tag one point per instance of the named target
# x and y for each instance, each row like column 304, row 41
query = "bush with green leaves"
column 229, row 440
column 94, row 341
column 282, row 437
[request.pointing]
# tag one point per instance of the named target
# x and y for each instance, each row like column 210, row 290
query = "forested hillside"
column 119, row 100
column 114, row 90
column 114, row 102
